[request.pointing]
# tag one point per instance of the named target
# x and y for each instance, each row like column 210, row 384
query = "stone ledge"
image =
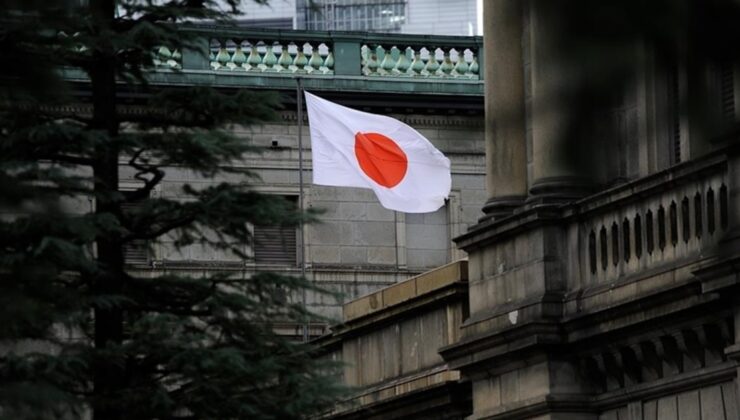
column 398, row 388
column 574, row 403
column 495, row 342
column 401, row 292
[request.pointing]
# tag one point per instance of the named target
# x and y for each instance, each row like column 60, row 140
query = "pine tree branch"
column 172, row 225
column 149, row 183
column 75, row 160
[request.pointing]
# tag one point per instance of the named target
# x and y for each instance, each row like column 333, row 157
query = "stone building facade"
column 598, row 292
column 432, row 84
column 357, row 246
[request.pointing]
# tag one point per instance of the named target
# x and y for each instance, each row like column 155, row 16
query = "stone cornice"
column 570, row 403
column 416, row 120
column 530, row 217
column 500, row 343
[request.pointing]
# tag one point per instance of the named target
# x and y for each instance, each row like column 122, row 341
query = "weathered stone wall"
column 388, row 342
column 612, row 303
column 358, row 246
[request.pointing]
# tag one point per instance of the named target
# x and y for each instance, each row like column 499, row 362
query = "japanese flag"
column 357, row 149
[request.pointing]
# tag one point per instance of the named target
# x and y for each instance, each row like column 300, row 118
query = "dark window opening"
column 604, row 256
column 698, row 220
column 710, row 211
column 626, row 239
column 638, row 236
column 673, row 214
column 723, row 206
column 685, row 219
column 649, row 232
column 661, row 228
column 592, row 251
column 615, row 243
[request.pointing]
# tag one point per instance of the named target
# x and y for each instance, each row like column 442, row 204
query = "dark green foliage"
column 79, row 333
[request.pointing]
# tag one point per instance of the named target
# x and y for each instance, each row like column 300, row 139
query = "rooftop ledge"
column 412, row 288
column 324, row 60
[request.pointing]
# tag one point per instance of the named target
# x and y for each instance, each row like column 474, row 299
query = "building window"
column 275, row 244
column 135, row 252
column 354, row 15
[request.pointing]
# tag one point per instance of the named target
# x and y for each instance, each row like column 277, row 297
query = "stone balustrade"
column 658, row 221
column 167, row 58
column 318, row 53
column 271, row 56
column 239, row 58
column 419, row 61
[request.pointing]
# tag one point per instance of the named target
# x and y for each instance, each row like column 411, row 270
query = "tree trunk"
column 108, row 373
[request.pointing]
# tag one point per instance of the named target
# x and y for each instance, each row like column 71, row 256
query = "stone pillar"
column 555, row 78
column 506, row 159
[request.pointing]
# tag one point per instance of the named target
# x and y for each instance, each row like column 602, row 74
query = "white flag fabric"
column 357, row 149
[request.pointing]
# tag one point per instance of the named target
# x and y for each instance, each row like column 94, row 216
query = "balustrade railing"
column 419, row 61
column 671, row 222
column 167, row 58
column 327, row 54
column 271, row 55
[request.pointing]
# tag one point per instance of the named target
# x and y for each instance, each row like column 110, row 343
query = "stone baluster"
column 300, row 62
column 417, row 65
column 223, row 57
column 161, row 56
column 446, row 67
column 262, row 49
column 175, row 61
column 403, row 64
column 432, row 65
column 236, row 57
column 292, row 49
column 270, row 59
column 474, row 68
column 285, row 60
column 371, row 65
column 461, row 67
column 314, row 64
column 328, row 67
column 389, row 61
column 254, row 60
column 323, row 55
column 364, row 58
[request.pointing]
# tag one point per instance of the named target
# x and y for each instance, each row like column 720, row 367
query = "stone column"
column 555, row 78
column 506, row 159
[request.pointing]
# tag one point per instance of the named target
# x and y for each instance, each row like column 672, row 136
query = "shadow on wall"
column 605, row 49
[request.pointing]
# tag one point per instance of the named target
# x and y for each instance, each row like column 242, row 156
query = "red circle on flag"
column 380, row 158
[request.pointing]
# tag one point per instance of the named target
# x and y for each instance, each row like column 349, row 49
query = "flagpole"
column 299, row 101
